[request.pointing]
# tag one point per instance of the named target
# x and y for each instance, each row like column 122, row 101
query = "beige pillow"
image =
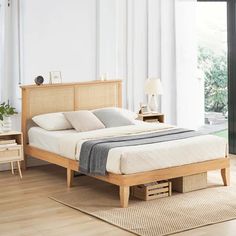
column 52, row 121
column 84, row 120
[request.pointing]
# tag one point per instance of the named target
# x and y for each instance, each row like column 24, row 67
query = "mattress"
column 47, row 140
column 133, row 159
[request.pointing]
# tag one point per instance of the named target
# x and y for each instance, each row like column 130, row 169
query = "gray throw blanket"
column 94, row 153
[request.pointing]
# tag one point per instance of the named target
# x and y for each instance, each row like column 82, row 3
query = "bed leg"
column 70, row 176
column 225, row 173
column 124, row 196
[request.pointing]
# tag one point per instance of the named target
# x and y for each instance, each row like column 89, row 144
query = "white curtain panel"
column 189, row 88
column 9, row 52
column 2, row 49
column 137, row 52
column 16, row 59
column 161, row 43
column 182, row 97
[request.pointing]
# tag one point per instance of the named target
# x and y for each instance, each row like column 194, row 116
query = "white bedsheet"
column 47, row 140
column 133, row 159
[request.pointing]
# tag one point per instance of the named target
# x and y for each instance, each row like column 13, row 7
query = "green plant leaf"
column 215, row 76
column 6, row 110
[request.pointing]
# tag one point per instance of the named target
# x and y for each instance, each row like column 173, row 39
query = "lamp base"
column 153, row 104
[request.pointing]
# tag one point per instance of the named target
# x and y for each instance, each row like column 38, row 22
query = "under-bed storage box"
column 152, row 190
column 190, row 183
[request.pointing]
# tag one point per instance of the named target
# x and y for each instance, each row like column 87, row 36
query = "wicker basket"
column 190, row 183
column 152, row 191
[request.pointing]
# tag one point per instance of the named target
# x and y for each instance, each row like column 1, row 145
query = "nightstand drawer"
column 10, row 153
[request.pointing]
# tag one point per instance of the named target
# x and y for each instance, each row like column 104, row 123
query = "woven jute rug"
column 165, row 216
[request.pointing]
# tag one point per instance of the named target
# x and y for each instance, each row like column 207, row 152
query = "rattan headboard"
column 67, row 97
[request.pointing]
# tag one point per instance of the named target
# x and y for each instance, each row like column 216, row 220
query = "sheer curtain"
column 162, row 43
column 189, row 88
column 182, row 101
column 15, row 50
column 9, row 56
column 3, row 95
column 9, row 52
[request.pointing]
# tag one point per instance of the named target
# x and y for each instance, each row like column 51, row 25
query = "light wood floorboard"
column 25, row 208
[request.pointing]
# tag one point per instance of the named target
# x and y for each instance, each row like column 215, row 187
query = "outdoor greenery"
column 6, row 110
column 222, row 133
column 215, row 76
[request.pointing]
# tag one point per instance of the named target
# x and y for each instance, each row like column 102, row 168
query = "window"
column 212, row 64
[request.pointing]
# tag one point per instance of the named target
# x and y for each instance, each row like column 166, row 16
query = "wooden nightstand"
column 11, row 149
column 151, row 117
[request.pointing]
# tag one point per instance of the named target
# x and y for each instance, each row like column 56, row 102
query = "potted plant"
column 6, row 111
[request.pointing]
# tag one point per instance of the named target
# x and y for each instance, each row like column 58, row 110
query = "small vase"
column 6, row 124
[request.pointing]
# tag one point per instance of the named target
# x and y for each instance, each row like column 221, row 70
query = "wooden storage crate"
column 152, row 191
column 190, row 183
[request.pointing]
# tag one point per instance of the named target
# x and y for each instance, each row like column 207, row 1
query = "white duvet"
column 134, row 159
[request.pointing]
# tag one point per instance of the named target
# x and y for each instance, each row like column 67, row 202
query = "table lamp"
column 152, row 88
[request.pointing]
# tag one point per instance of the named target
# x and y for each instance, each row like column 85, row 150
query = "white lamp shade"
column 153, row 87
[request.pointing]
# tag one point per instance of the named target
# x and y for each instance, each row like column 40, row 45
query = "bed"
column 126, row 166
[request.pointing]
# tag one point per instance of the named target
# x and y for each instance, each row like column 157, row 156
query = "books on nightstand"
column 7, row 142
column 153, row 120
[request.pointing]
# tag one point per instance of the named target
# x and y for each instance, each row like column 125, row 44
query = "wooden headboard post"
column 50, row 98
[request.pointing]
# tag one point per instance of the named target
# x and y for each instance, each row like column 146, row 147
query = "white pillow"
column 52, row 121
column 84, row 120
column 127, row 113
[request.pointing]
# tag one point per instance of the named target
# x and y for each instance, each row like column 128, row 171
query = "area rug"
column 165, row 216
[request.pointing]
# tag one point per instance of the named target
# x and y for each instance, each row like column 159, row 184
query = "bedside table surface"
column 10, row 133
column 150, row 114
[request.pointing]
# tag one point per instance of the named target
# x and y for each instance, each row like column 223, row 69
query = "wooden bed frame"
column 90, row 95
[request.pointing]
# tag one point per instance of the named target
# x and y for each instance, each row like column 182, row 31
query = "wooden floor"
column 26, row 210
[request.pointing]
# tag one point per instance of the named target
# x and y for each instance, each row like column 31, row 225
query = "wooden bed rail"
column 126, row 181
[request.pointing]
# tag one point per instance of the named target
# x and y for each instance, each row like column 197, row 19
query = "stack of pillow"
column 85, row 120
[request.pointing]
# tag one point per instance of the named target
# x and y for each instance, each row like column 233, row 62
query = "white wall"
column 59, row 35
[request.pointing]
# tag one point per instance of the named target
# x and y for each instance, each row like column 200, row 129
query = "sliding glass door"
column 231, row 66
column 212, row 65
